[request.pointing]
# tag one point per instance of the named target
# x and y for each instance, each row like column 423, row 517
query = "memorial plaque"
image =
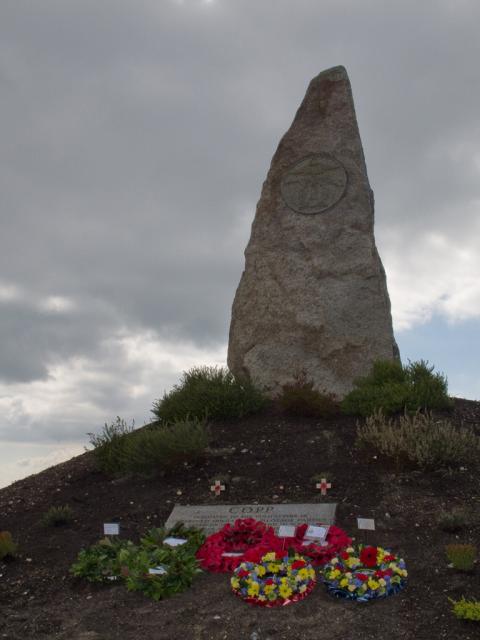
column 212, row 518
column 314, row 184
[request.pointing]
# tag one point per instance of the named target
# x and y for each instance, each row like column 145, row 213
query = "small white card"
column 316, row 533
column 366, row 523
column 286, row 531
column 174, row 542
column 111, row 529
column 158, row 571
column 232, row 554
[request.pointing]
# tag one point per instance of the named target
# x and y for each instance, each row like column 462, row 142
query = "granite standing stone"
column 313, row 297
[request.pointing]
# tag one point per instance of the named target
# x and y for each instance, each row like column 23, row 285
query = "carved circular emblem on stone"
column 314, row 184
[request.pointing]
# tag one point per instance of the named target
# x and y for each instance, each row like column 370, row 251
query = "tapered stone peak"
column 313, row 296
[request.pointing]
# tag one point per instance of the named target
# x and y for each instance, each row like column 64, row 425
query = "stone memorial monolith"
column 313, row 297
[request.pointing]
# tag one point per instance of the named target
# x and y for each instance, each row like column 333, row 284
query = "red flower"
column 298, row 564
column 361, row 576
column 388, row 558
column 269, row 581
column 368, row 556
column 344, row 555
column 242, row 573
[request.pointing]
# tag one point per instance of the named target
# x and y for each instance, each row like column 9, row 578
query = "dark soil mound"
column 260, row 455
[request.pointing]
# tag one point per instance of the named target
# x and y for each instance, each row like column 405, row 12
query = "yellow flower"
column 285, row 591
column 382, row 582
column 261, row 571
column 373, row 584
column 302, row 588
column 343, row 582
column 269, row 588
column 351, row 587
column 302, row 574
column 273, row 568
column 235, row 583
column 253, row 589
column 334, row 574
column 268, row 557
column 352, row 562
column 311, row 573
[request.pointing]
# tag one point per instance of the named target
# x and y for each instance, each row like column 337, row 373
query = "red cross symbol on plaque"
column 217, row 487
column 323, row 485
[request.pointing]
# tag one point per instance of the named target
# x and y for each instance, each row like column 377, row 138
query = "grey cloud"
column 134, row 138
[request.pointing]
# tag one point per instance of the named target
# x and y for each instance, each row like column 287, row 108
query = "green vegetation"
column 110, row 445
column 211, row 392
column 58, row 516
column 419, row 440
column 154, row 448
column 393, row 387
column 466, row 609
column 461, row 556
column 8, row 548
column 453, row 521
column 99, row 563
column 299, row 398
column 133, row 564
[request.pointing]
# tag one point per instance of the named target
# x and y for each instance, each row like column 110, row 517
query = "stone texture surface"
column 211, row 518
column 313, row 296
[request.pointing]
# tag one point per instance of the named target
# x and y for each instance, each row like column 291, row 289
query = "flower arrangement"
column 246, row 539
column 277, row 580
column 153, row 566
column 318, row 554
column 365, row 573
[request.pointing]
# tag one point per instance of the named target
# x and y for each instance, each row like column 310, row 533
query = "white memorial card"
column 158, row 571
column 316, row 533
column 111, row 529
column 232, row 554
column 286, row 531
column 174, row 542
column 366, row 523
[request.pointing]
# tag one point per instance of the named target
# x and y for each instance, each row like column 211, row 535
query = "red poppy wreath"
column 335, row 541
column 246, row 540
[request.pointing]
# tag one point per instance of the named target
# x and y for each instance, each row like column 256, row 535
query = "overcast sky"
column 135, row 137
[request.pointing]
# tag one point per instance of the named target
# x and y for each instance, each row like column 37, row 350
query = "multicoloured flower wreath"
column 366, row 573
column 247, row 537
column 336, row 540
column 277, row 580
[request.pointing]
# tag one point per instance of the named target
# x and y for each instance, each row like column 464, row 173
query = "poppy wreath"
column 277, row 580
column 319, row 555
column 365, row 573
column 248, row 537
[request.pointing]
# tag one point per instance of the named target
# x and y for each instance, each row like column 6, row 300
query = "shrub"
column 419, row 440
column 461, row 556
column 392, row 388
column 209, row 391
column 110, row 445
column 154, row 448
column 453, row 521
column 58, row 516
column 466, row 609
column 299, row 398
column 162, row 448
column 8, row 548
